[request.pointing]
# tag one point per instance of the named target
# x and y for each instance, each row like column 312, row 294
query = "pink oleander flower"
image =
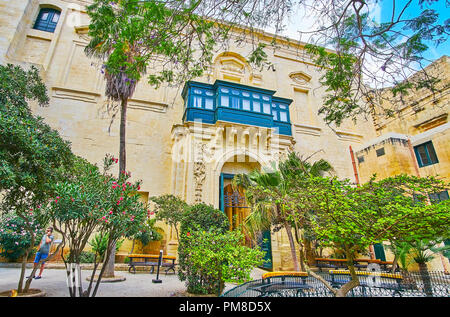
column 110, row 212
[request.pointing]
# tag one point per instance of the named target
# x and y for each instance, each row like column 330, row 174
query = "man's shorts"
column 40, row 256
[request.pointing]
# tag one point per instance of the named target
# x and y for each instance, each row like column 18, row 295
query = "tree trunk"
column 343, row 291
column 310, row 258
column 292, row 245
column 394, row 263
column 22, row 271
column 426, row 279
column 109, row 269
column 123, row 128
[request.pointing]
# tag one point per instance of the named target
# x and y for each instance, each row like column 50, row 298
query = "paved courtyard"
column 53, row 282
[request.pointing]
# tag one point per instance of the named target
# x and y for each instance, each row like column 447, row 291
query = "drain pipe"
column 354, row 166
column 413, row 157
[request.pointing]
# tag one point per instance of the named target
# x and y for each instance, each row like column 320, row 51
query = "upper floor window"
column 438, row 197
column 425, row 154
column 47, row 20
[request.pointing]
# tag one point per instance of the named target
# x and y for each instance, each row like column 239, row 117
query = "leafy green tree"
column 170, row 209
column 352, row 218
column 367, row 63
column 269, row 194
column 89, row 201
column 148, row 233
column 218, row 257
column 31, row 152
column 199, row 217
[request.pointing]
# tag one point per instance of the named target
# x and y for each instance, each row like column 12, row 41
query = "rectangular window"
column 360, row 159
column 224, row 101
column 209, row 103
column 47, row 20
column 256, row 106
column 380, row 152
column 425, row 154
column 197, row 101
column 235, row 102
column 246, row 104
column 438, row 197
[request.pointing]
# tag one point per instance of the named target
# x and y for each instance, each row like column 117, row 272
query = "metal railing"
column 415, row 284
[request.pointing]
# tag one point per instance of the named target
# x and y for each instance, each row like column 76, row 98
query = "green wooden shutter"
column 379, row 252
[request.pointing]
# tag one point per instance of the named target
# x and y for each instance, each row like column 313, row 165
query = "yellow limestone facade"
column 171, row 156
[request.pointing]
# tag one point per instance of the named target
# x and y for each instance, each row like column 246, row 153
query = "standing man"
column 44, row 250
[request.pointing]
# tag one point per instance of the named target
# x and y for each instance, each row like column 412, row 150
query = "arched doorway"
column 235, row 206
column 233, row 203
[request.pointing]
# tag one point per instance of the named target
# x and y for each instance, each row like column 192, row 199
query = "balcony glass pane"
column 209, row 93
column 197, row 101
column 275, row 115
column 55, row 17
column 256, row 106
column 246, row 104
column 283, row 116
column 225, row 90
column 209, row 103
column 266, row 108
column 235, row 92
column 245, row 94
column 256, row 96
column 224, row 101
column 234, row 102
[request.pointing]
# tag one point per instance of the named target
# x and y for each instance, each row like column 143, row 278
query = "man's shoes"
column 37, row 277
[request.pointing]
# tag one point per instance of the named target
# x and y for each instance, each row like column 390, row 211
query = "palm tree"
column 298, row 166
column 268, row 193
column 401, row 251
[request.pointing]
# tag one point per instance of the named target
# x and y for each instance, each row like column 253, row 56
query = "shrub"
column 14, row 238
column 216, row 257
column 99, row 245
column 85, row 257
column 209, row 254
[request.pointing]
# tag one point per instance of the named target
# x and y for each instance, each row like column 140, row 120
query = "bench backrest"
column 362, row 273
column 286, row 273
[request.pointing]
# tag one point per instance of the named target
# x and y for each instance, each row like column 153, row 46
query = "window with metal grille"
column 47, row 20
column 380, row 152
column 425, row 154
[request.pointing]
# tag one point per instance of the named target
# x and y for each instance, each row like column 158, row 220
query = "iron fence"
column 415, row 284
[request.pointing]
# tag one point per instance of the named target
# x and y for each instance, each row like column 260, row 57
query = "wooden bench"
column 340, row 277
column 331, row 263
column 168, row 262
column 269, row 286
column 342, row 263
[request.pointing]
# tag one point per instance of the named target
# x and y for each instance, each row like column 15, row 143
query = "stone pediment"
column 300, row 78
column 232, row 65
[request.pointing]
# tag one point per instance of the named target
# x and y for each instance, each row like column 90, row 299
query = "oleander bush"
column 15, row 239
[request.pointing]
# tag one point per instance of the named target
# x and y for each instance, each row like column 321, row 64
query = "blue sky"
column 415, row 10
column 381, row 10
